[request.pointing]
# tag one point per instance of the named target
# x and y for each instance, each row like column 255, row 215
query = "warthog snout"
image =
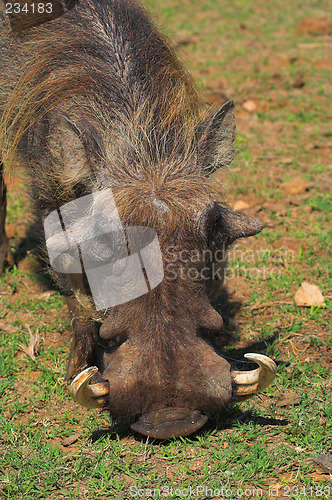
column 167, row 389
column 169, row 422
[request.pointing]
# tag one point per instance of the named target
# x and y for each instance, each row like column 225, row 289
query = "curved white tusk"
column 89, row 396
column 247, row 384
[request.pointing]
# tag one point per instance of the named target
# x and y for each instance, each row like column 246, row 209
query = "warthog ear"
column 216, row 139
column 235, row 225
column 74, row 147
column 25, row 14
column 223, row 227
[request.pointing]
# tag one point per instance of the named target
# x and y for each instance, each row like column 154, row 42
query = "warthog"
column 109, row 127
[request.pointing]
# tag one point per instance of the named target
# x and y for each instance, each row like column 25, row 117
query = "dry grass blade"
column 6, row 328
column 32, row 348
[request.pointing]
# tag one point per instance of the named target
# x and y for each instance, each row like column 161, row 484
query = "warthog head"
column 154, row 366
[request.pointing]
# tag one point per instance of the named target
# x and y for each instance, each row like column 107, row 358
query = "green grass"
column 248, row 50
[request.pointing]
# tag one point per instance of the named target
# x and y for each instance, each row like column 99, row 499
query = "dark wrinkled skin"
column 109, row 108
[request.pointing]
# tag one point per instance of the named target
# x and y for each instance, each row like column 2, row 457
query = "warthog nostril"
column 169, row 422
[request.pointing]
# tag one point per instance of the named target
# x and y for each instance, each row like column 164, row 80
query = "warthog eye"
column 114, row 343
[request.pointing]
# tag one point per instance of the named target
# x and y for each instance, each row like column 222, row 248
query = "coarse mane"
column 106, row 58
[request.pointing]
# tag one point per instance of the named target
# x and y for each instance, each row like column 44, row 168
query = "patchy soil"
column 282, row 176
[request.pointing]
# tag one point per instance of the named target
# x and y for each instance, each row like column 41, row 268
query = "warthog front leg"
column 5, row 253
column 84, row 341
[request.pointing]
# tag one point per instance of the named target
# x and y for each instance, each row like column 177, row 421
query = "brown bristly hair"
column 65, row 63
